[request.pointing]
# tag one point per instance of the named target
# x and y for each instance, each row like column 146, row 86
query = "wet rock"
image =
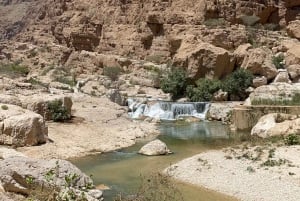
column 155, row 148
column 117, row 97
column 96, row 193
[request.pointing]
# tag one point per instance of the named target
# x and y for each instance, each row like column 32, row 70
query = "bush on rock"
column 174, row 82
column 237, row 83
column 204, row 90
column 58, row 111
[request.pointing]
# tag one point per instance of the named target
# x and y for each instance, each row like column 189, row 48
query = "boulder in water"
column 155, row 148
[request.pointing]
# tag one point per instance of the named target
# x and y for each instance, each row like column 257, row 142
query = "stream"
column 121, row 170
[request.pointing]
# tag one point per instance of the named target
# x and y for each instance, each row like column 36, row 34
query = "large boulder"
column 259, row 62
column 39, row 103
column 275, row 92
column 221, row 111
column 204, row 60
column 276, row 124
column 293, row 54
column 20, row 127
column 293, row 29
column 294, row 72
column 155, row 148
column 241, row 52
column 27, row 176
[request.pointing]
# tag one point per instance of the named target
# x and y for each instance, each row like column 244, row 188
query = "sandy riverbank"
column 98, row 126
column 259, row 173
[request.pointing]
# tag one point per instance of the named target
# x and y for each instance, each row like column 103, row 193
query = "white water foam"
column 169, row 111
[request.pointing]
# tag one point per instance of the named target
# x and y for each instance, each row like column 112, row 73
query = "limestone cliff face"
column 140, row 29
column 134, row 26
column 148, row 27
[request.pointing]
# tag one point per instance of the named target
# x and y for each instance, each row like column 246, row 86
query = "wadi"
column 149, row 100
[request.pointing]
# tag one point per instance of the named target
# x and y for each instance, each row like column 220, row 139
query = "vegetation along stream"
column 122, row 170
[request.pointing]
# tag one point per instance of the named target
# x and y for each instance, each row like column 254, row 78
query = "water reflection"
column 199, row 130
column 121, row 170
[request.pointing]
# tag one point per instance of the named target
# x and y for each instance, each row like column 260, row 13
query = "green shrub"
column 112, row 72
column 174, row 82
column 250, row 20
column 278, row 61
column 253, row 38
column 47, row 70
column 237, row 82
column 156, row 58
column 66, row 80
column 35, row 81
column 215, row 22
column 281, row 101
column 14, row 69
column 271, row 27
column 4, row 107
column 58, row 111
column 272, row 162
column 204, row 90
column 292, row 139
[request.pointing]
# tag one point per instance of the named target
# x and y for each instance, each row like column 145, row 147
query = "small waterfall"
column 168, row 110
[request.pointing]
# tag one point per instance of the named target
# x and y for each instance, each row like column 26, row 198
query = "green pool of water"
column 122, row 170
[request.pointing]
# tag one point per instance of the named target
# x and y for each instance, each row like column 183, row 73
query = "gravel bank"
column 241, row 173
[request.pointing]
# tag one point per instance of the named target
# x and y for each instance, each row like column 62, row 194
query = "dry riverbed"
column 98, row 126
column 269, row 172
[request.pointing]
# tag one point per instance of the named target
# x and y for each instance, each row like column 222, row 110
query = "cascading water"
column 168, row 110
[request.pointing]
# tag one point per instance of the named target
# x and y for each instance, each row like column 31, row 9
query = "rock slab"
column 24, row 176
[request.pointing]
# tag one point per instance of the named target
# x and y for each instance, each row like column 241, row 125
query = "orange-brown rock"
column 204, row 60
column 259, row 62
column 293, row 54
column 294, row 72
column 241, row 52
column 293, row 29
